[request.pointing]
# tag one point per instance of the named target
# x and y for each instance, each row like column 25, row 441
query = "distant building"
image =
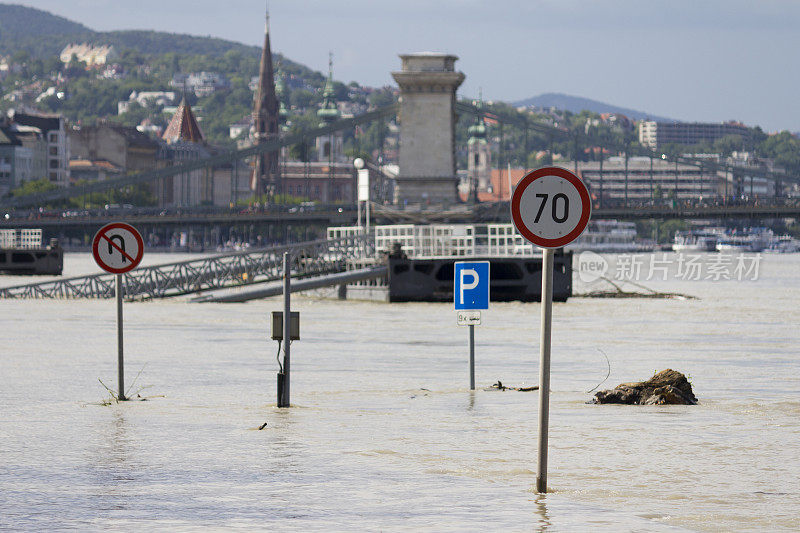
column 122, row 146
column 33, row 140
column 479, row 160
column 640, row 179
column 53, row 131
column 320, row 181
column 657, row 134
column 266, row 124
column 89, row 54
column 148, row 127
column 200, row 83
column 240, row 127
column 184, row 142
column 51, row 91
column 614, row 120
column 329, row 147
column 85, row 169
column 16, row 161
column 159, row 98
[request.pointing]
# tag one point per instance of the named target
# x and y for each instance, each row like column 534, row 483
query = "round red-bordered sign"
column 551, row 207
column 118, row 248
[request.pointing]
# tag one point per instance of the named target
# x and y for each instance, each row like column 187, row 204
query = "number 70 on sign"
column 551, row 207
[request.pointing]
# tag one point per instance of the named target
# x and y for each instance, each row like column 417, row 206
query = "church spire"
column 328, row 112
column 477, row 132
column 265, row 121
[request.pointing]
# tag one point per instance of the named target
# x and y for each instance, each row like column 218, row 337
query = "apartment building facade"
column 658, row 134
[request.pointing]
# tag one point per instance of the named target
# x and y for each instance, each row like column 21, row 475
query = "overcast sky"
column 695, row 60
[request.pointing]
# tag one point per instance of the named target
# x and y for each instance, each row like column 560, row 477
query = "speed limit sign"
column 551, row 207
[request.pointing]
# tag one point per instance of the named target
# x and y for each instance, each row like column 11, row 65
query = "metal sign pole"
column 367, row 216
column 471, row 357
column 287, row 319
column 120, row 366
column 544, row 366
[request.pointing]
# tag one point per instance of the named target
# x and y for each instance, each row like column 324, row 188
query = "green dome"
column 478, row 130
column 328, row 112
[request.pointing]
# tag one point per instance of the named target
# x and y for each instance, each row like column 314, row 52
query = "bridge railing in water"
column 196, row 275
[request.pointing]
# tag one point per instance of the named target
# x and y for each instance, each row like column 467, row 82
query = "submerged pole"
column 287, row 276
column 120, row 365
column 544, row 367
column 471, row 357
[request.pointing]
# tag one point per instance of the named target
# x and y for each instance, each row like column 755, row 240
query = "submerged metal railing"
column 197, row 275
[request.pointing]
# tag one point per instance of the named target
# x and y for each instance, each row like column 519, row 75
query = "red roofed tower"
column 183, row 126
column 265, row 121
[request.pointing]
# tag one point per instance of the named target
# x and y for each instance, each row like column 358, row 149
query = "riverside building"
column 657, row 134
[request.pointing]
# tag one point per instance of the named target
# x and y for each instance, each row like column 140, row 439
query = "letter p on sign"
column 471, row 285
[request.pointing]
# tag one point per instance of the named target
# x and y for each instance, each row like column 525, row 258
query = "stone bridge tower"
column 427, row 160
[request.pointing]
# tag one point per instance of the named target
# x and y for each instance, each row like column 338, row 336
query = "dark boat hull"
column 32, row 262
column 512, row 278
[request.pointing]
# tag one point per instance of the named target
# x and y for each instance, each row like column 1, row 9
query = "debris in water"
column 668, row 387
column 499, row 386
column 619, row 292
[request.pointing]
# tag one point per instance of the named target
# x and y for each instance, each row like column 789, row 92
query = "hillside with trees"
column 32, row 40
column 148, row 62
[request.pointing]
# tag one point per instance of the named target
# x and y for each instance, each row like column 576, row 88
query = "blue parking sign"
column 471, row 285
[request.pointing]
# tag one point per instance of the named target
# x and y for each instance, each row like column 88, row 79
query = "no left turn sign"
column 551, row 207
column 118, row 248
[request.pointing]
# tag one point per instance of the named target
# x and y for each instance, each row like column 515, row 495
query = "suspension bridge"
column 504, row 120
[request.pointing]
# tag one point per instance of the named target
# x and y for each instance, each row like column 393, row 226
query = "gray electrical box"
column 277, row 325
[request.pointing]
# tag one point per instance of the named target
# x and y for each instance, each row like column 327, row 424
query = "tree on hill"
column 784, row 148
column 729, row 143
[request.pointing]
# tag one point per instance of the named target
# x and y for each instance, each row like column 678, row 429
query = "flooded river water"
column 384, row 433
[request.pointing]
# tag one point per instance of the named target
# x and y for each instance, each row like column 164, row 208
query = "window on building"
column 54, row 163
column 53, row 176
column 52, row 137
column 54, row 150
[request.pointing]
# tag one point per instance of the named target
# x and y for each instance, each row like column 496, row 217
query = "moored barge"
column 22, row 253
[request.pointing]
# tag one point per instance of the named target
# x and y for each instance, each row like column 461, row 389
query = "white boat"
column 734, row 244
column 749, row 240
column 695, row 241
column 492, row 240
column 611, row 236
column 783, row 244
